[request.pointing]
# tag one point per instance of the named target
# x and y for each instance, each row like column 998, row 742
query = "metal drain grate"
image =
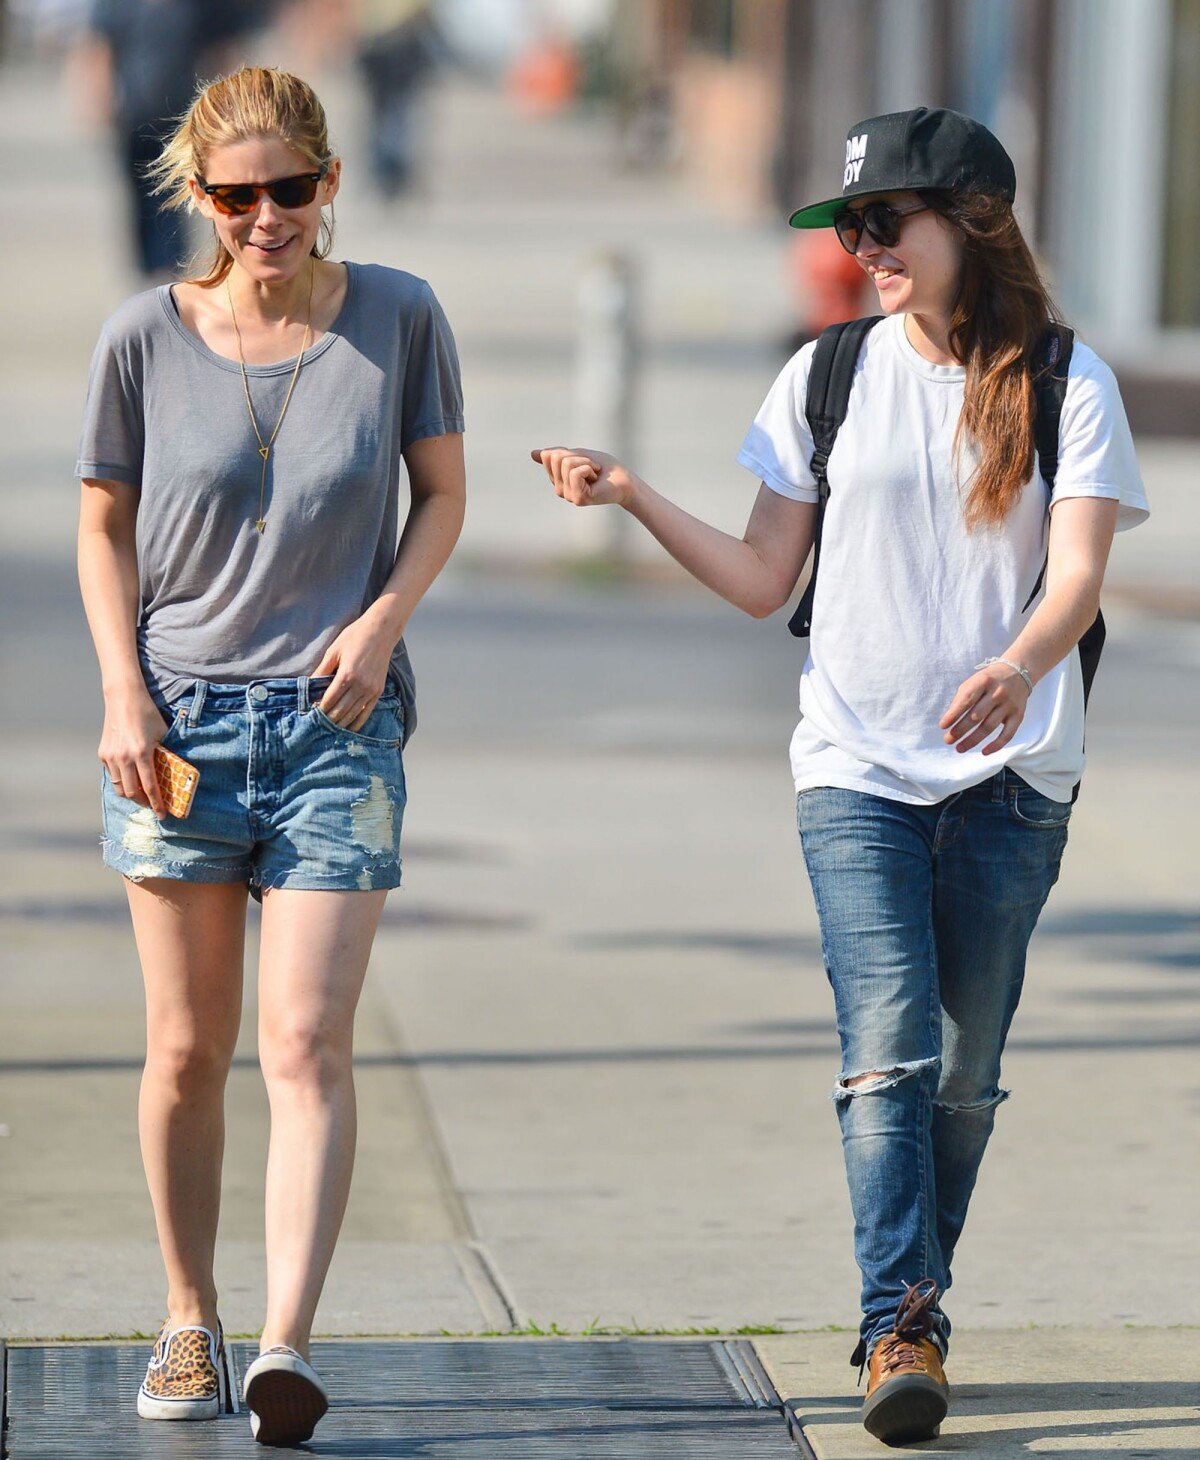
column 502, row 1399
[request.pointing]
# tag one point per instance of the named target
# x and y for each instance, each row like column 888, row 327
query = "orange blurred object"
column 546, row 77
column 828, row 282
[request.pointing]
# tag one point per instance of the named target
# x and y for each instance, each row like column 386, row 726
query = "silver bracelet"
column 1024, row 673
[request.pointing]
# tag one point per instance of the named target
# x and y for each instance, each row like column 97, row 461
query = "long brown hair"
column 997, row 324
column 255, row 101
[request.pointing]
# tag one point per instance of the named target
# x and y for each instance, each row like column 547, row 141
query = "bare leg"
column 315, row 948
column 190, row 939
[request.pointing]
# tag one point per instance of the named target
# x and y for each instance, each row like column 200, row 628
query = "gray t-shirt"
column 219, row 600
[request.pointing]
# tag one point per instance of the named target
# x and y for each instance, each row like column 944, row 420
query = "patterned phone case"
column 177, row 780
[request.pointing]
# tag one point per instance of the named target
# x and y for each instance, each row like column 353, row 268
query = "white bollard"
column 606, row 383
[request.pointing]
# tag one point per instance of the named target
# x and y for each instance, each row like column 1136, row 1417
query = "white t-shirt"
column 908, row 601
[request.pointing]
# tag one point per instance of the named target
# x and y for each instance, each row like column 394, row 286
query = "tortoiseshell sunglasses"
column 234, row 199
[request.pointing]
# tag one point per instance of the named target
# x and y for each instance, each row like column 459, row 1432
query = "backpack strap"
column 1049, row 391
column 829, row 380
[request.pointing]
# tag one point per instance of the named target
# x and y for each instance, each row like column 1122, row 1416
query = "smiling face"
column 270, row 242
column 919, row 274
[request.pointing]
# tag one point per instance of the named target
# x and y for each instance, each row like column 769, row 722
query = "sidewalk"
column 1082, row 1392
column 594, row 1047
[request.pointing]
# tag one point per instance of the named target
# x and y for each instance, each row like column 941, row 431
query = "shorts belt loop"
column 193, row 714
column 998, row 784
column 302, row 693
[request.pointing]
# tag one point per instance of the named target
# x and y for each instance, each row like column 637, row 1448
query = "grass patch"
column 530, row 1329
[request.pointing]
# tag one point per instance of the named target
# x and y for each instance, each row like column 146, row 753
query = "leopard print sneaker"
column 188, row 1376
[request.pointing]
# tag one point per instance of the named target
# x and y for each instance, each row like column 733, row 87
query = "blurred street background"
column 596, row 1041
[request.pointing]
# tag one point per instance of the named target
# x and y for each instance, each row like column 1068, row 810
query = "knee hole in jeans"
column 873, row 1078
column 870, row 1082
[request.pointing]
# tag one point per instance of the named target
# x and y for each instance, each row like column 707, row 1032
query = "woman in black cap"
column 942, row 700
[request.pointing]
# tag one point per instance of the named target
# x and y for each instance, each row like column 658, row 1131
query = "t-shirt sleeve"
column 1095, row 447
column 113, row 435
column 432, row 404
column 779, row 446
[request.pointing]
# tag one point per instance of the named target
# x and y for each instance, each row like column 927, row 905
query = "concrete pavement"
column 1082, row 1392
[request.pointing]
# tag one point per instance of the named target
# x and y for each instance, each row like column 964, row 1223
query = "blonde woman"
column 244, row 442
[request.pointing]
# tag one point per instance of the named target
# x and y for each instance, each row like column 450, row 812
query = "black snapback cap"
column 906, row 151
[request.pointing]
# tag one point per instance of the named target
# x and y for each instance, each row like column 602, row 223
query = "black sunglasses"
column 288, row 192
column 880, row 220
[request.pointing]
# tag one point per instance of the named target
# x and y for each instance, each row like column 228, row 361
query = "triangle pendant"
column 261, row 524
column 264, row 452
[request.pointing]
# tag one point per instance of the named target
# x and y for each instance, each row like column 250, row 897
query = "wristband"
column 1024, row 673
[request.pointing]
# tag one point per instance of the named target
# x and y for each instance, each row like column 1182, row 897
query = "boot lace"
column 913, row 1322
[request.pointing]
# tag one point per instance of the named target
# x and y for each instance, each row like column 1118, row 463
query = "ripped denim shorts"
column 286, row 798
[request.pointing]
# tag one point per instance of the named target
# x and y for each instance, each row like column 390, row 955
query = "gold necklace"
column 264, row 447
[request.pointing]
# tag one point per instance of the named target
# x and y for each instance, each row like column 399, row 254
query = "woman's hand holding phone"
column 133, row 726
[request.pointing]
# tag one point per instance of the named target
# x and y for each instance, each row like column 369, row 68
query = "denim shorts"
column 286, row 798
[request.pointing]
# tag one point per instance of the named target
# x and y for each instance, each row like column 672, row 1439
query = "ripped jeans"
column 926, row 913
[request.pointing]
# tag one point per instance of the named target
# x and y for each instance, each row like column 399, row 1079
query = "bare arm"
column 359, row 656
column 756, row 572
column 106, row 557
column 1081, row 534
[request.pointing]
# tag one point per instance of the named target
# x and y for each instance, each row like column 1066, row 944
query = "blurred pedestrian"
column 144, row 57
column 399, row 48
column 941, row 738
column 241, row 459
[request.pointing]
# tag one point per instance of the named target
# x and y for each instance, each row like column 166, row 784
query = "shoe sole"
column 150, row 1407
column 286, row 1405
column 907, row 1408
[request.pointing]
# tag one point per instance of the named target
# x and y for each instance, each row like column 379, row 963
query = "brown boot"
column 907, row 1392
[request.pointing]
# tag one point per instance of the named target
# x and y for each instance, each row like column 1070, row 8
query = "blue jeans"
column 286, row 797
column 926, row 913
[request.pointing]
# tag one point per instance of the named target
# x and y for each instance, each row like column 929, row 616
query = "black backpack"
column 829, row 383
